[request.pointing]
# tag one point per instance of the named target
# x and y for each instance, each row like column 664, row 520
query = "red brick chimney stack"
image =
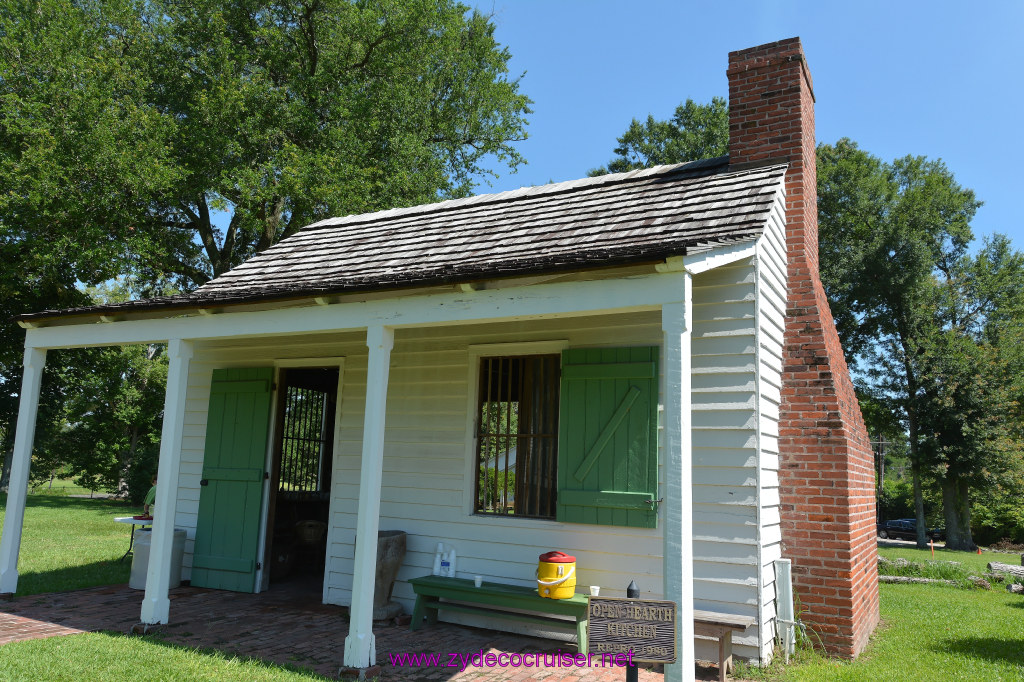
column 826, row 469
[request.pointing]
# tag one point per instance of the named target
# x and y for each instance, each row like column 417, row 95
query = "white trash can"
column 140, row 558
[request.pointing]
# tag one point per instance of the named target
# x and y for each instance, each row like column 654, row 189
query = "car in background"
column 906, row 529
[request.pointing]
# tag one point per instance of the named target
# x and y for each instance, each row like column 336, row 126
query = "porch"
column 287, row 625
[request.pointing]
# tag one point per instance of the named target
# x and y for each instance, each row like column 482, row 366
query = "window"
column 570, row 436
column 517, row 436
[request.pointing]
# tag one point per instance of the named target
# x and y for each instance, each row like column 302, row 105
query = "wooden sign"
column 645, row 627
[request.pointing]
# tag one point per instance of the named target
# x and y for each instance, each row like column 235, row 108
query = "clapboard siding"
column 771, row 322
column 427, row 479
column 725, row 453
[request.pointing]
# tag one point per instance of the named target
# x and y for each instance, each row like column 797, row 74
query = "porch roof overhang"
column 663, row 285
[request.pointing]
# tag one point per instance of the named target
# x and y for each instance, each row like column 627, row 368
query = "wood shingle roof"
column 638, row 216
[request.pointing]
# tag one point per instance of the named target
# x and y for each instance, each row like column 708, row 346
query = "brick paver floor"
column 288, row 624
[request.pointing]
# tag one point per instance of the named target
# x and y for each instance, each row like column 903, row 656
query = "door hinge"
column 266, row 475
column 259, row 566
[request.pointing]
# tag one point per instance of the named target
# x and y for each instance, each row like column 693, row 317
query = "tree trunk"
column 914, row 450
column 1016, row 571
column 915, row 470
column 915, row 581
column 5, row 474
column 956, row 508
column 964, row 499
column 951, row 512
column 922, row 541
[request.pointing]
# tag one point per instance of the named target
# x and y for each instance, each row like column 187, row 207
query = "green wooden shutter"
column 227, row 531
column 608, row 440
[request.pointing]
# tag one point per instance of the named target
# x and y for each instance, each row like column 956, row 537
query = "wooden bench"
column 720, row 626
column 431, row 589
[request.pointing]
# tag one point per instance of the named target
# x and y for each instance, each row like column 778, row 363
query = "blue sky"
column 938, row 79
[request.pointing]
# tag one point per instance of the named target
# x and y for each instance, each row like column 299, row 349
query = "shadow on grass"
column 95, row 574
column 72, row 503
column 994, row 649
column 76, row 503
column 228, row 656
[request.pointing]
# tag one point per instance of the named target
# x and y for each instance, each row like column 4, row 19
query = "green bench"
column 431, row 589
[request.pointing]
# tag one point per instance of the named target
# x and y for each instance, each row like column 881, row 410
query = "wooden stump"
column 1015, row 588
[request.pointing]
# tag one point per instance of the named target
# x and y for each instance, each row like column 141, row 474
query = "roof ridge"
column 530, row 191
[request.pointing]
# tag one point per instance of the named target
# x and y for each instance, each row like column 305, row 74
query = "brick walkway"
column 286, row 625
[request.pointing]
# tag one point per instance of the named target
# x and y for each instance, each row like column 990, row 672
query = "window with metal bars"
column 517, row 436
column 307, row 431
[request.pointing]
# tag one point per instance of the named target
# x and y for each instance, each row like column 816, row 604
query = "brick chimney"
column 826, row 468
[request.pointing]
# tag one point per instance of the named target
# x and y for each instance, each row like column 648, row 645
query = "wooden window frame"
column 476, row 353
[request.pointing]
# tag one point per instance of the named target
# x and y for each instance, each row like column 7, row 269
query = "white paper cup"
column 478, row 580
column 595, row 590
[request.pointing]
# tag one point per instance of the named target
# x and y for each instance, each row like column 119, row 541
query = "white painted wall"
column 771, row 324
column 426, row 462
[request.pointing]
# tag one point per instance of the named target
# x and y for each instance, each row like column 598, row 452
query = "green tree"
column 128, row 126
column 971, row 399
column 273, row 114
column 78, row 160
column 282, row 113
column 105, row 429
column 885, row 230
column 922, row 317
column 695, row 131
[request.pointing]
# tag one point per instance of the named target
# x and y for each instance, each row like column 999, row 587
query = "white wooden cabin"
column 686, row 261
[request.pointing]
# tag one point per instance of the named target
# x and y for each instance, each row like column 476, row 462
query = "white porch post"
column 360, row 648
column 10, row 543
column 155, row 604
column 677, row 509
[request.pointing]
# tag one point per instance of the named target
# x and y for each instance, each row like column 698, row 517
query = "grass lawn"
column 69, row 543
column 929, row 632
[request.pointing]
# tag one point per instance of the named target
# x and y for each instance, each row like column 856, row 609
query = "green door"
column 227, row 532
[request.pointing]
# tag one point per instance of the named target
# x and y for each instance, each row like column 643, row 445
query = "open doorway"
column 300, row 480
